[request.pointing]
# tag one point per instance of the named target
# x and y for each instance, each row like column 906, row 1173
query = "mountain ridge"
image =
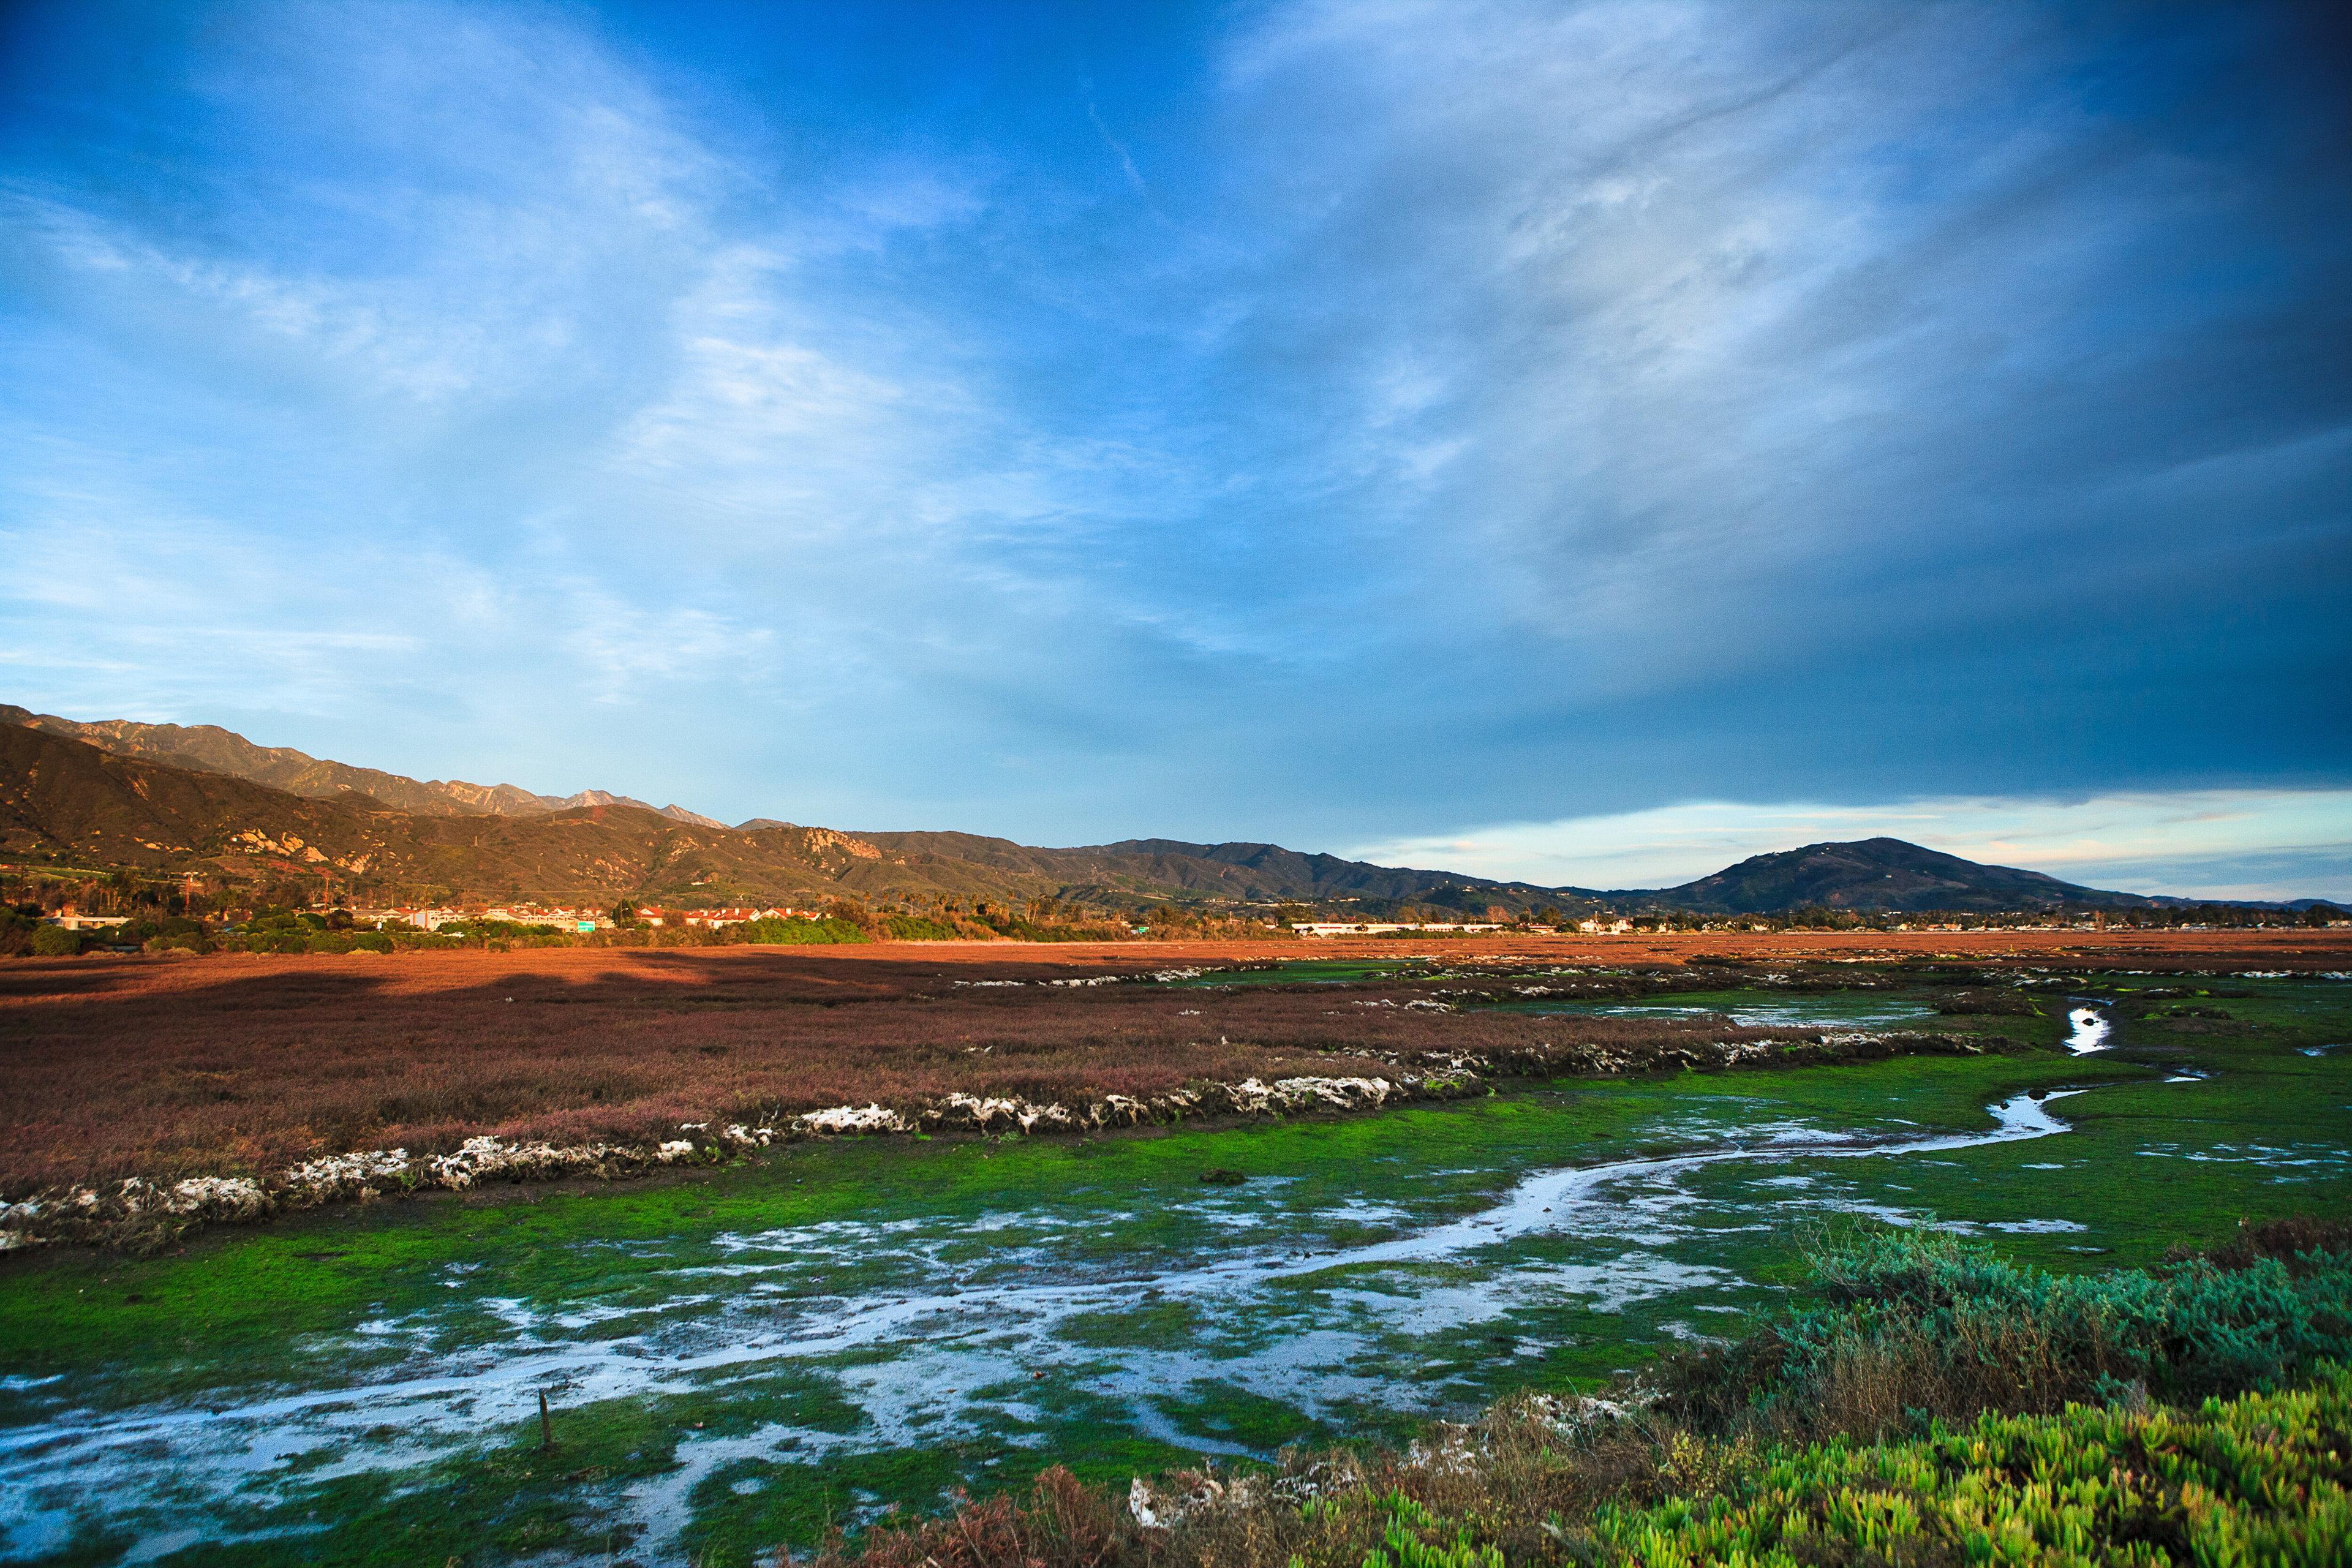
column 160, row 797
column 63, row 798
column 211, row 749
column 1243, row 872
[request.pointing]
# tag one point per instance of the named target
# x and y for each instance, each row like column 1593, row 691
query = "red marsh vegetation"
column 162, row 1068
column 237, row 1063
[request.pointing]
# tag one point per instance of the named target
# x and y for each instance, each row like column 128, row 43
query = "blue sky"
column 1555, row 440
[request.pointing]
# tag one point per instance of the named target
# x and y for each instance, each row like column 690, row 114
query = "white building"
column 72, row 920
column 1379, row 928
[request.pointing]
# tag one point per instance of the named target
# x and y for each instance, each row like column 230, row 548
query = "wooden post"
column 546, row 1427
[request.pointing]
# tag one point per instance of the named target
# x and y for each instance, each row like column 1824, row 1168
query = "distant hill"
column 170, row 797
column 1247, row 873
column 218, row 751
column 1872, row 874
column 65, row 799
column 68, row 801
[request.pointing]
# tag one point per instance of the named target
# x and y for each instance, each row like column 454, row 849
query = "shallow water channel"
column 854, row 1327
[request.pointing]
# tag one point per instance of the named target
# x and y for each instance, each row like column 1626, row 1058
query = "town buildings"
column 1382, row 928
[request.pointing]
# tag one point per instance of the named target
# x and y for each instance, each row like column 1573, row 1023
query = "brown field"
column 237, row 1063
column 242, row 1064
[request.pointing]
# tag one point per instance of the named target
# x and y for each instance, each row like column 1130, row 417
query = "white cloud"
column 605, row 329
column 1725, row 297
column 1500, row 376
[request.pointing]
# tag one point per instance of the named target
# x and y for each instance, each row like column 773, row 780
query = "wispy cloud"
column 1118, row 148
column 1488, row 413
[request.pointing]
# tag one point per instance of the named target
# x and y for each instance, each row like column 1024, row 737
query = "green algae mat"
column 744, row 1358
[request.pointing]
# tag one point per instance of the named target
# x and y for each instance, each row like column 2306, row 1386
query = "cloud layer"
column 1334, row 424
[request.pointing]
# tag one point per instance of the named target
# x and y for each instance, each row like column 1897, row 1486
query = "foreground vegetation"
column 1937, row 1405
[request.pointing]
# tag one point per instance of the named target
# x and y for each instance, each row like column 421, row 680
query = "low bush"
column 918, row 927
column 1920, row 1326
column 178, row 941
column 54, row 942
column 1063, row 1525
column 16, row 929
column 795, row 932
column 2303, row 1244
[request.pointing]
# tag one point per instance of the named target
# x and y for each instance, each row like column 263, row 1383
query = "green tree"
column 54, row 941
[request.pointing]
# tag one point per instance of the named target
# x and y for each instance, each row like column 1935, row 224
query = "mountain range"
column 166, row 798
column 213, row 750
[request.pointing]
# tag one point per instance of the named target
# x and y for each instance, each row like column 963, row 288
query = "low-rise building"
column 1384, row 927
column 581, row 920
column 73, row 919
column 735, row 917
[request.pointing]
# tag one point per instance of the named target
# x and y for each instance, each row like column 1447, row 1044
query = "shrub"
column 2302, row 1242
column 1920, row 1325
column 54, row 941
column 178, row 941
column 797, row 931
column 915, row 927
column 1063, row 1525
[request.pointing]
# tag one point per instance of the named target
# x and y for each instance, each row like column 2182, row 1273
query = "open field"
column 240, row 1064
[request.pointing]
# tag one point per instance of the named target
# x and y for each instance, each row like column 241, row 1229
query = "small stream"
column 938, row 1355
column 2088, row 1028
